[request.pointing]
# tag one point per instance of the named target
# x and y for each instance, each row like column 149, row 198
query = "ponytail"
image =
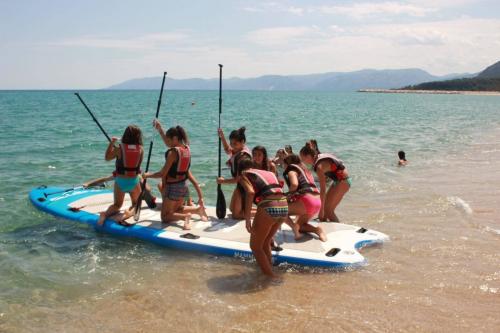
column 309, row 149
column 179, row 133
column 238, row 135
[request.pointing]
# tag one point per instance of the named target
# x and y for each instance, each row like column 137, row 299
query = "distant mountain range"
column 333, row 81
column 487, row 80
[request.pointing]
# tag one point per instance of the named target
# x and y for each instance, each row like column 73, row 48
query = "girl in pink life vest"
column 175, row 172
column 327, row 165
column 237, row 150
column 303, row 199
column 261, row 161
column 128, row 156
column 262, row 188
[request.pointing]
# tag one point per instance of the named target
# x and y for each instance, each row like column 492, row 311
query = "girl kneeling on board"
column 174, row 174
column 303, row 199
column 128, row 156
column 238, row 151
column 262, row 188
column 327, row 165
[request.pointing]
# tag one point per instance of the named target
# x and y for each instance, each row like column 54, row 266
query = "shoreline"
column 432, row 92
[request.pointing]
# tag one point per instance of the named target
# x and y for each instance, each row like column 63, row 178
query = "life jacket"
column 179, row 168
column 337, row 167
column 264, row 183
column 305, row 178
column 236, row 158
column 129, row 164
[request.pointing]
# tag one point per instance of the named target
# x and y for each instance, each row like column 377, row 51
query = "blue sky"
column 93, row 44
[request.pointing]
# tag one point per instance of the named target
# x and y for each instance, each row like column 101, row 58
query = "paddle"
column 221, row 201
column 138, row 204
column 93, row 117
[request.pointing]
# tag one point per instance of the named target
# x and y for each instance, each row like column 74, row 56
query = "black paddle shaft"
column 93, row 117
column 143, row 184
column 221, row 200
column 220, row 111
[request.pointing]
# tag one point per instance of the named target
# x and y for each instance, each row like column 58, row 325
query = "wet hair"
column 238, row 135
column 402, row 155
column 309, row 149
column 265, row 161
column 178, row 132
column 132, row 135
column 292, row 159
column 245, row 164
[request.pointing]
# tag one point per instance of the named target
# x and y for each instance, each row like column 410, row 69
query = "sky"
column 92, row 44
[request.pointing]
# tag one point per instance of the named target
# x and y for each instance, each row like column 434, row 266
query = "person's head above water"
column 237, row 138
column 132, row 135
column 176, row 135
column 402, row 155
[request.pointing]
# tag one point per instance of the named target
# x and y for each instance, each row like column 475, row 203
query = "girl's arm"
column 196, row 187
column 112, row 150
column 248, row 201
column 227, row 147
column 294, row 181
column 322, row 187
column 222, row 180
column 159, row 128
column 171, row 158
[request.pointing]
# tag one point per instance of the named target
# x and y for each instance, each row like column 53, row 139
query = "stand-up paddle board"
column 227, row 237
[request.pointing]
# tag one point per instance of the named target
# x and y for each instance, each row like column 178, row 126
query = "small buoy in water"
column 193, row 103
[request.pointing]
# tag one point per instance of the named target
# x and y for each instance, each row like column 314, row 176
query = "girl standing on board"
column 304, row 201
column 262, row 188
column 174, row 174
column 238, row 151
column 128, row 156
column 327, row 165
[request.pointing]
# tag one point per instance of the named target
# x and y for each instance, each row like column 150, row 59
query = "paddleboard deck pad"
column 226, row 237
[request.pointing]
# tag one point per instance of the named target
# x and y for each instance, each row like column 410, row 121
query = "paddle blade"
column 221, row 203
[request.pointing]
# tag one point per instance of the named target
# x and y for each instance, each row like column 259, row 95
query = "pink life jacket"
column 180, row 168
column 305, row 178
column 337, row 167
column 264, row 183
column 236, row 158
column 129, row 164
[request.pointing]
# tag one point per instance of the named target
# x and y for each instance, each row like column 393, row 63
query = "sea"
column 440, row 271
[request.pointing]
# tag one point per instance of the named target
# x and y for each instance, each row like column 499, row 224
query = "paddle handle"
column 93, row 117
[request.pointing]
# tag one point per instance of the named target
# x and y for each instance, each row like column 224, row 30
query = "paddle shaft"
column 93, row 117
column 220, row 111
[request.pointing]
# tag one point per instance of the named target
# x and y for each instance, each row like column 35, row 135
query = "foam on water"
column 460, row 204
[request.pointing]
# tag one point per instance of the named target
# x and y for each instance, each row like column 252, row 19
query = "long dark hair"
column 265, row 161
column 238, row 135
column 244, row 164
column 132, row 135
column 402, row 155
column 178, row 132
column 292, row 159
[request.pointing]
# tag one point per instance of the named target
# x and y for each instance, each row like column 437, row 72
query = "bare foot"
column 296, row 232
column 187, row 222
column 321, row 234
column 334, row 218
column 102, row 218
column 203, row 214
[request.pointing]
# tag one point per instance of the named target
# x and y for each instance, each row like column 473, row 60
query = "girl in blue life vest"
column 128, row 156
column 174, row 174
column 327, row 166
column 238, row 151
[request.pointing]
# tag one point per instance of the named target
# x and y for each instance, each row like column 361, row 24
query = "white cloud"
column 149, row 41
column 280, row 36
column 368, row 9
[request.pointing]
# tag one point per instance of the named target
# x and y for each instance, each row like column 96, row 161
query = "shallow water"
column 441, row 270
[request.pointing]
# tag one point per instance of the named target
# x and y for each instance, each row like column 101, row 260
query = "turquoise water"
column 48, row 138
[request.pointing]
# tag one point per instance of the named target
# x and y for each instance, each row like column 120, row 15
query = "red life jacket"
column 264, row 183
column 305, row 178
column 337, row 167
column 180, row 168
column 129, row 164
column 236, row 158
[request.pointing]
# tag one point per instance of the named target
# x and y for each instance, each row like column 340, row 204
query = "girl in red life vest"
column 303, row 200
column 262, row 188
column 128, row 156
column 327, row 165
column 237, row 150
column 174, row 174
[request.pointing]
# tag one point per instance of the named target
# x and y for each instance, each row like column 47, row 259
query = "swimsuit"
column 175, row 191
column 276, row 208
column 127, row 184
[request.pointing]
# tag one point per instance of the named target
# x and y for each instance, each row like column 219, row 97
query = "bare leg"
column 200, row 211
column 134, row 195
column 261, row 229
column 170, row 213
column 269, row 240
column 114, row 208
column 236, row 205
column 302, row 223
column 295, row 228
column 333, row 198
